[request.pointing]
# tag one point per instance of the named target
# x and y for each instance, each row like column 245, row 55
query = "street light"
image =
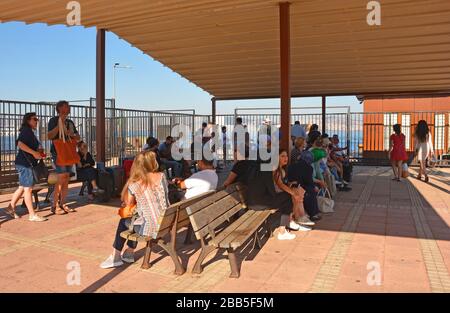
column 117, row 65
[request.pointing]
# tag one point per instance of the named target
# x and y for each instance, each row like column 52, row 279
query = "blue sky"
column 42, row 63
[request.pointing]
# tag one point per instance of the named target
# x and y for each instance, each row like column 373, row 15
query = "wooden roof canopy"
column 230, row 48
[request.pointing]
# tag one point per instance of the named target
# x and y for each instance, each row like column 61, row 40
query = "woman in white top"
column 423, row 147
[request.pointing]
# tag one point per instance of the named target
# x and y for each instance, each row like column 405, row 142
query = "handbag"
column 40, row 170
column 405, row 170
column 127, row 211
column 326, row 204
column 66, row 150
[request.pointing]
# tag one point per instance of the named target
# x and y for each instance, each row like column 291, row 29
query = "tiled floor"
column 385, row 236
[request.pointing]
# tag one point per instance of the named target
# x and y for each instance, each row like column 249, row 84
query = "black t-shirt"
column 244, row 170
column 89, row 160
column 302, row 173
column 70, row 125
column 28, row 138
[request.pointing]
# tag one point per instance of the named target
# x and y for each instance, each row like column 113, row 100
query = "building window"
column 406, row 129
column 439, row 131
column 390, row 119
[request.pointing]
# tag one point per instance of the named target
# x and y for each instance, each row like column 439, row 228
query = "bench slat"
column 230, row 228
column 192, row 209
column 217, row 222
column 245, row 234
column 245, row 229
column 214, row 211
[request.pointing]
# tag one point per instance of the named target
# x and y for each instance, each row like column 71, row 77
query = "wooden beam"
column 285, row 71
column 100, row 97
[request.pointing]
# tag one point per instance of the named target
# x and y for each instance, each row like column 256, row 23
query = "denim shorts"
column 26, row 178
column 61, row 169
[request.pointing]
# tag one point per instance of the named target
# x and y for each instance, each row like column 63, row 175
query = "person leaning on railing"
column 26, row 159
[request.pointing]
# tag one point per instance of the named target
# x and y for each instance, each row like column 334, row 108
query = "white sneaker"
column 128, row 257
column 294, row 226
column 286, row 236
column 304, row 220
column 110, row 262
column 37, row 218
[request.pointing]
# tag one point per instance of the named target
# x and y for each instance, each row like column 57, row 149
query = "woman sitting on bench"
column 86, row 170
column 147, row 190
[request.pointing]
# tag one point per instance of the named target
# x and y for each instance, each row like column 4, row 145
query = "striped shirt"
column 151, row 202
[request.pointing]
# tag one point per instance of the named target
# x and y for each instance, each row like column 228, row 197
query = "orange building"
column 381, row 113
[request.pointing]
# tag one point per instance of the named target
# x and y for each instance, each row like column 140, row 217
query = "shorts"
column 62, row 169
column 26, row 178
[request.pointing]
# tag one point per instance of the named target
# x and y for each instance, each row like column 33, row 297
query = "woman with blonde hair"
column 146, row 189
column 423, row 147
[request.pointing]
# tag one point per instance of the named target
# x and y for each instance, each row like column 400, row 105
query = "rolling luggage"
column 105, row 182
column 118, row 178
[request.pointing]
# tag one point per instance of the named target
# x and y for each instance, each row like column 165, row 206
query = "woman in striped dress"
column 147, row 189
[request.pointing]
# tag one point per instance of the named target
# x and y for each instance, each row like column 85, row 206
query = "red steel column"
column 100, row 97
column 324, row 114
column 285, row 71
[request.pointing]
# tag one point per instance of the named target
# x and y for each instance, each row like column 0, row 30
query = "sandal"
column 66, row 209
column 58, row 211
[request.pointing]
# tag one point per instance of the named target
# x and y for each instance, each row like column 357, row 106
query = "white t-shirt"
column 201, row 182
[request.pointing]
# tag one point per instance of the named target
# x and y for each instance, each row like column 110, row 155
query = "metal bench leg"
column 233, row 264
column 49, row 193
column 203, row 254
column 148, row 250
column 187, row 240
column 179, row 269
column 36, row 200
column 256, row 242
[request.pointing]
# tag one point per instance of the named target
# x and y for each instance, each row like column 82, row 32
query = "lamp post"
column 116, row 66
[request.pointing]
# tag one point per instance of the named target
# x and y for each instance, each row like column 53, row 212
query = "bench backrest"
column 177, row 212
column 208, row 214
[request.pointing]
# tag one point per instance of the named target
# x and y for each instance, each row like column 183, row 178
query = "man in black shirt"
column 70, row 132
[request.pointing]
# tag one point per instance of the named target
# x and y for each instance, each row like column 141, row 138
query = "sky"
column 50, row 63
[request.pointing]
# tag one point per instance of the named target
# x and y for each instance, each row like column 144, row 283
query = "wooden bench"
column 173, row 219
column 216, row 224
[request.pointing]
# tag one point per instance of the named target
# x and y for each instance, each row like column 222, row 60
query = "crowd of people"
column 315, row 163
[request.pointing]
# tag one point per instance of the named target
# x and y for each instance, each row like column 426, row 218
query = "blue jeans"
column 26, row 178
column 119, row 242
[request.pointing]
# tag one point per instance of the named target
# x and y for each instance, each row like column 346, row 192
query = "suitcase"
column 105, row 182
column 118, row 178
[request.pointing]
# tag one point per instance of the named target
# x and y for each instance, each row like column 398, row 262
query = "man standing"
column 63, row 172
column 297, row 131
column 225, row 143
